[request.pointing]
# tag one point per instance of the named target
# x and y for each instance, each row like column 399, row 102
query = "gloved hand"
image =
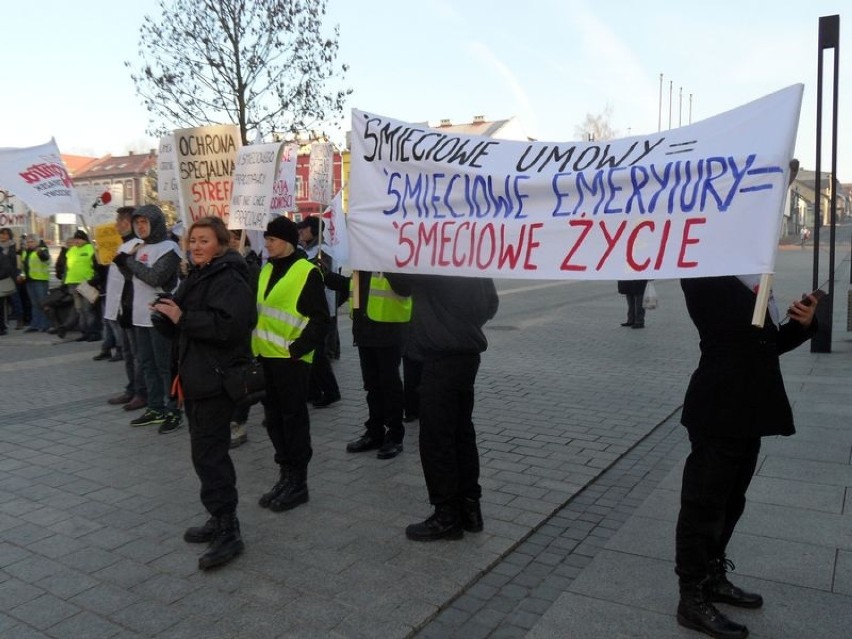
column 120, row 260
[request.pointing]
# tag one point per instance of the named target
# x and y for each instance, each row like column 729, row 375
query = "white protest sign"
column 96, row 210
column 254, row 180
column 320, row 172
column 335, row 241
column 700, row 200
column 13, row 212
column 205, row 157
column 37, row 175
column 167, row 170
column 284, row 192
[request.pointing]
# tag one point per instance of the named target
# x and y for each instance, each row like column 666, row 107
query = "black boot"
column 202, row 534
column 445, row 523
column 697, row 613
column 294, row 492
column 471, row 515
column 718, row 588
column 267, row 497
column 226, row 545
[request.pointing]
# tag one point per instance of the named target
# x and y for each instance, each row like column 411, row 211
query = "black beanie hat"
column 81, row 235
column 284, row 229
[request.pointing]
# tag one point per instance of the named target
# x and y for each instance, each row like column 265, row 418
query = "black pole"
column 829, row 38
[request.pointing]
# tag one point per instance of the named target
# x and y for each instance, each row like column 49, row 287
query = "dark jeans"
column 287, row 421
column 86, row 314
column 448, row 451
column 716, row 477
column 132, row 366
column 37, row 291
column 154, row 351
column 635, row 310
column 385, row 395
column 322, row 380
column 210, row 440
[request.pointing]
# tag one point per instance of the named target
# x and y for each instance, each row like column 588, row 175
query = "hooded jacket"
column 214, row 331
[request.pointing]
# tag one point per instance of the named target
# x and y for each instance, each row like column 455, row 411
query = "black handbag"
column 244, row 383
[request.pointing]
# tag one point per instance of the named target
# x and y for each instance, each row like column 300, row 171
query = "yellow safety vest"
column 79, row 262
column 279, row 322
column 36, row 269
column 383, row 304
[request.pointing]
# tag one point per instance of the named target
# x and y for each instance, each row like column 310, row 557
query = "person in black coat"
column 212, row 316
column 735, row 397
column 448, row 314
column 634, row 292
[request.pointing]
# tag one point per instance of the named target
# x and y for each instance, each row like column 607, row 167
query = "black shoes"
column 226, row 544
column 471, row 515
column 627, row 323
column 718, row 588
column 364, row 443
column 389, row 449
column 171, row 423
column 445, row 523
column 267, row 497
column 102, row 356
column 695, row 612
column 293, row 493
column 202, row 534
column 124, row 398
column 638, row 325
column 326, row 400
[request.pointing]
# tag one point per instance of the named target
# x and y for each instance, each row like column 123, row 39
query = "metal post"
column 660, row 111
column 829, row 38
column 671, row 86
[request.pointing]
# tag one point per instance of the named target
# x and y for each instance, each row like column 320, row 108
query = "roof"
column 119, row 166
column 76, row 163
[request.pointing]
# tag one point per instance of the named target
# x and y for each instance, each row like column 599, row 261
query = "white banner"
column 98, row 208
column 320, row 175
column 284, row 192
column 205, row 157
column 254, row 180
column 167, row 170
column 38, row 177
column 700, row 200
column 335, row 242
column 13, row 213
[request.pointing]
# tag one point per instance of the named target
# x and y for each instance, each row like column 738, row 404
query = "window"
column 301, row 188
column 128, row 191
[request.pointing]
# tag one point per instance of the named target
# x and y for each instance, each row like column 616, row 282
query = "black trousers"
column 210, row 440
column 385, row 395
column 286, row 411
column 716, row 477
column 448, row 451
column 412, row 370
column 322, row 380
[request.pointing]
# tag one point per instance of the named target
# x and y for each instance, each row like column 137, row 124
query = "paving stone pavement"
column 577, row 424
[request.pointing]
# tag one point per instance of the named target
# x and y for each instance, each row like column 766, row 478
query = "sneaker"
column 148, row 418
column 172, row 422
column 238, row 434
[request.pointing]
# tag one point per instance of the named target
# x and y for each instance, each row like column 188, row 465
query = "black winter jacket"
column 448, row 313
column 214, row 330
column 737, row 389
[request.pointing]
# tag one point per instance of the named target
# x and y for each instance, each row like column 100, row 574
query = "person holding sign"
column 735, row 397
column 291, row 325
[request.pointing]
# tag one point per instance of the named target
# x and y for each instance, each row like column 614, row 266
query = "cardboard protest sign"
column 255, row 173
column 13, row 213
column 167, row 170
column 37, row 175
column 320, row 176
column 205, row 157
column 284, row 191
column 700, row 200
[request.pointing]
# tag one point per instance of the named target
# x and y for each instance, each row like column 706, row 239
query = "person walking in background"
column 153, row 266
column 35, row 262
column 735, row 397
column 291, row 325
column 634, row 292
column 211, row 317
column 446, row 335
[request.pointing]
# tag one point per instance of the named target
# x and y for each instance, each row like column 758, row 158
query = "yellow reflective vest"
column 383, row 304
column 37, row 270
column 79, row 262
column 279, row 322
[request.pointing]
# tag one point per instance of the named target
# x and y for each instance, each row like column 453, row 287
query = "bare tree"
column 264, row 65
column 596, row 127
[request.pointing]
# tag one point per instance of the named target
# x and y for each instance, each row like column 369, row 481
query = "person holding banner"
column 291, row 325
column 735, row 397
column 380, row 320
column 447, row 337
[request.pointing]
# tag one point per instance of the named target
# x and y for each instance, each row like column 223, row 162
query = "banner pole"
column 762, row 301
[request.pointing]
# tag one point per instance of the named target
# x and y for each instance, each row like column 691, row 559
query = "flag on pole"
column 38, row 177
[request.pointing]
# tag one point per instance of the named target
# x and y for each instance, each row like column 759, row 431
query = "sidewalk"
column 580, row 448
